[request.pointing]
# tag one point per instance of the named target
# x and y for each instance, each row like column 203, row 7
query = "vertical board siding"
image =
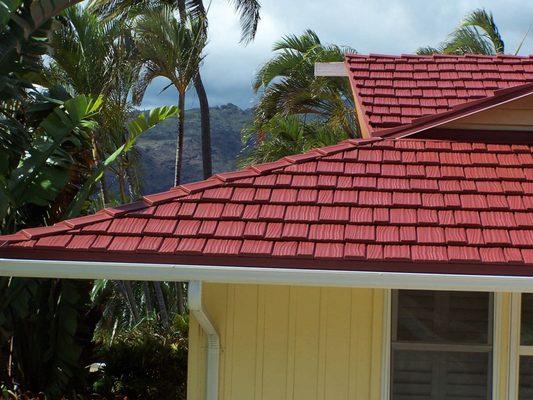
column 282, row 342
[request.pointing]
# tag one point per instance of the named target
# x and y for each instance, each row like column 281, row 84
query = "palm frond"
column 428, row 50
column 171, row 48
column 484, row 20
column 477, row 34
column 249, row 14
column 468, row 40
column 302, row 43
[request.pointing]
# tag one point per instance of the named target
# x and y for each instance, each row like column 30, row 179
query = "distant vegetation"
column 298, row 110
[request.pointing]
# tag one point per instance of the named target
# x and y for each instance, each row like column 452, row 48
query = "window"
column 441, row 345
column 525, row 380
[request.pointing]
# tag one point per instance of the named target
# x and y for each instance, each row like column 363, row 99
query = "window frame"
column 516, row 349
column 495, row 356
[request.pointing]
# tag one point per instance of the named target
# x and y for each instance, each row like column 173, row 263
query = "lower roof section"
column 440, row 206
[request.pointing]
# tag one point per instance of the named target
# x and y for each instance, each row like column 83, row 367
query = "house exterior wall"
column 282, row 342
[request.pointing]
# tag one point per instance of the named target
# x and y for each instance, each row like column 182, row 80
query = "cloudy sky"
column 370, row 26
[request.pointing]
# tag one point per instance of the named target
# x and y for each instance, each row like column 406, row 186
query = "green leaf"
column 23, row 183
column 136, row 127
column 6, row 8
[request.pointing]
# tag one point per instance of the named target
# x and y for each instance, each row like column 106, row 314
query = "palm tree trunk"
column 127, row 292
column 104, row 196
column 148, row 298
column 161, row 303
column 182, row 9
column 181, row 297
column 179, row 140
column 131, row 296
column 122, row 185
column 205, row 126
column 104, row 191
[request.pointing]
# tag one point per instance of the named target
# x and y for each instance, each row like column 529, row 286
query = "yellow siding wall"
column 281, row 342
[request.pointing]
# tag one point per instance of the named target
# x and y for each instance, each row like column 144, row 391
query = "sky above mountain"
column 376, row 26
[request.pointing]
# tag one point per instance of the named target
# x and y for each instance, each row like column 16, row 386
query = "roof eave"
column 271, row 276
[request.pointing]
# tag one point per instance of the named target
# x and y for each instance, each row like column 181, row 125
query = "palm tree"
column 289, row 87
column 171, row 49
column 286, row 135
column 97, row 57
column 249, row 14
column 477, row 34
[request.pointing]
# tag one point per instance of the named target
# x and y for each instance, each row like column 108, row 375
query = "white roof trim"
column 330, row 69
column 253, row 275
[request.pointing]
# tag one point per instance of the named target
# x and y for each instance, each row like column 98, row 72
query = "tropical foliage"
column 476, row 34
column 286, row 135
column 161, row 370
column 297, row 109
column 173, row 49
column 49, row 128
column 47, row 325
column 98, row 57
column 248, row 12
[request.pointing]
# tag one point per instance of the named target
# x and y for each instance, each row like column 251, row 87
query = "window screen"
column 441, row 345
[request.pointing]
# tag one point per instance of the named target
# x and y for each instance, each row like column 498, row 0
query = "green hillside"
column 157, row 147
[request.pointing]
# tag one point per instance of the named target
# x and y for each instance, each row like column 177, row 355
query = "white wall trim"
column 386, row 346
column 213, row 341
column 497, row 355
column 254, row 275
column 514, row 346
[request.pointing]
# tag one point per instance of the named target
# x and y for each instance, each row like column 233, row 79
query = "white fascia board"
column 254, row 275
column 330, row 69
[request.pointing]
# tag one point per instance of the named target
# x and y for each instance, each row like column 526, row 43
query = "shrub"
column 147, row 362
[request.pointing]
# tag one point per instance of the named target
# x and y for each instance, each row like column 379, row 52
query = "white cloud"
column 377, row 26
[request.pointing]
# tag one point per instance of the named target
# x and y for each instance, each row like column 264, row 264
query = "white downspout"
column 213, row 341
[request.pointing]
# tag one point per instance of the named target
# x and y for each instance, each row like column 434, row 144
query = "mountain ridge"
column 157, row 147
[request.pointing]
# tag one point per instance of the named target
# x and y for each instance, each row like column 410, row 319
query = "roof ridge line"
column 426, row 56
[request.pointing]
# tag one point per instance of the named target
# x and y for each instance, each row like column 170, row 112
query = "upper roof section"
column 398, row 90
column 405, row 205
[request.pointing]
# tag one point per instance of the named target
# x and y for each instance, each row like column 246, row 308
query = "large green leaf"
column 136, row 127
column 26, row 182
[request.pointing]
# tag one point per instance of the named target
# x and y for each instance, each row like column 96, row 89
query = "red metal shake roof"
column 411, row 205
column 397, row 90
column 407, row 204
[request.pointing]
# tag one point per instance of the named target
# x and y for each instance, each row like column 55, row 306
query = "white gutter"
column 213, row 342
column 254, row 275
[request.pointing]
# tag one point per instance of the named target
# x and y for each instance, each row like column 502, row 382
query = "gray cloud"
column 370, row 26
